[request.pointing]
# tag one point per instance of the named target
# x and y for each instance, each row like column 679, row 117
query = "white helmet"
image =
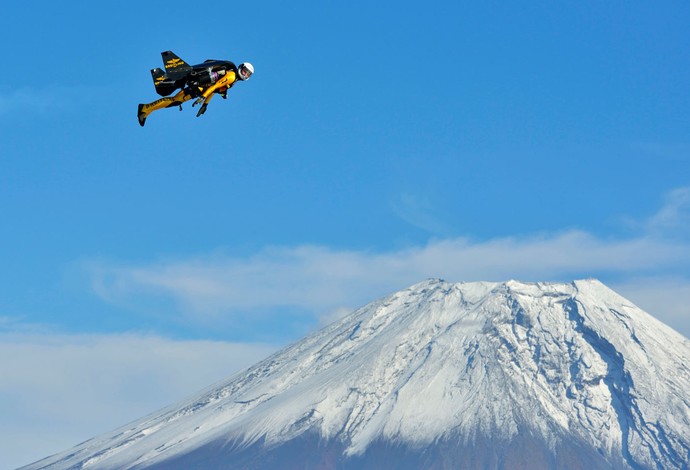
column 245, row 70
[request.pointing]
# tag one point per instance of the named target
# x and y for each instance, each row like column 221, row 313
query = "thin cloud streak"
column 321, row 280
column 325, row 282
column 419, row 212
column 675, row 215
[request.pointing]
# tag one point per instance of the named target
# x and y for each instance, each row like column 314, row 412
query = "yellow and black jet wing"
column 175, row 67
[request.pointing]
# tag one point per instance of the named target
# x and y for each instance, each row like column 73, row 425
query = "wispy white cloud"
column 420, row 212
column 322, row 281
column 674, row 217
column 58, row 390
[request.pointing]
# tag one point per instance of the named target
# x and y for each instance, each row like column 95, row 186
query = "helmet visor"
column 245, row 73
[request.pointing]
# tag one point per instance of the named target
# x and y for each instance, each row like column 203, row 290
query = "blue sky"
column 376, row 145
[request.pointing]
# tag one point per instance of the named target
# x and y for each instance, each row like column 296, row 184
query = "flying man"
column 194, row 81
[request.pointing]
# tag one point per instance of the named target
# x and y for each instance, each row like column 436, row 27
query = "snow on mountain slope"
column 569, row 372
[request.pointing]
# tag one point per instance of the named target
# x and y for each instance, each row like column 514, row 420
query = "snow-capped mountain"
column 440, row 375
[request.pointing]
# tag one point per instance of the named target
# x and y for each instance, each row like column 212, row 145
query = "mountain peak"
column 567, row 374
